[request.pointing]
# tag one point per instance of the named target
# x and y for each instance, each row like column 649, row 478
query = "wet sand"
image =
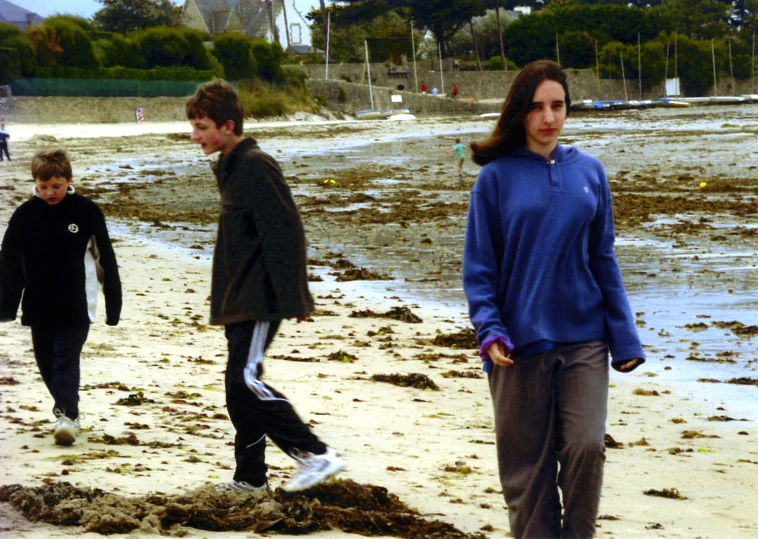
column 396, row 209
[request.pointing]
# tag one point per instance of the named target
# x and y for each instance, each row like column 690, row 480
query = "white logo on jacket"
column 73, row 228
column 586, row 189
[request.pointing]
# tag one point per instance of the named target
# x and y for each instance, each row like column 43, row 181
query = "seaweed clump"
column 354, row 508
column 465, row 338
column 670, row 493
column 418, row 381
column 402, row 314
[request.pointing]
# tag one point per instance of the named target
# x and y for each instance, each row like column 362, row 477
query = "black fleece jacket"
column 260, row 261
column 46, row 258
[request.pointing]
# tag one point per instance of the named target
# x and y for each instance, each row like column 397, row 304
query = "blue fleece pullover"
column 538, row 263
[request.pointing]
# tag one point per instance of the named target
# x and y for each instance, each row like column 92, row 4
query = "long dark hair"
column 509, row 133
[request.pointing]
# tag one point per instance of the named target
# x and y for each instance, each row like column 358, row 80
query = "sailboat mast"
column 731, row 68
column 442, row 80
column 715, row 81
column 623, row 75
column 639, row 62
column 328, row 35
column 368, row 68
column 413, row 47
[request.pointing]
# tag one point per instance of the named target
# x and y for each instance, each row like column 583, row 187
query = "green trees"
column 125, row 16
column 269, row 58
column 235, row 53
column 62, row 42
column 164, row 46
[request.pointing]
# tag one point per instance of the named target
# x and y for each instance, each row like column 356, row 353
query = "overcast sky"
column 87, row 8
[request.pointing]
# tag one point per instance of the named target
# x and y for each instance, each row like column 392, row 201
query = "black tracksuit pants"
column 57, row 352
column 256, row 409
column 4, row 149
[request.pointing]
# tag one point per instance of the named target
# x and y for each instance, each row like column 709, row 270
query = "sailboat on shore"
column 380, row 114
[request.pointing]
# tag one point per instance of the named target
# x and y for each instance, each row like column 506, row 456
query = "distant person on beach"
column 546, row 297
column 55, row 249
column 455, row 91
column 435, row 92
column 4, row 136
column 259, row 279
column 460, row 155
column 422, row 88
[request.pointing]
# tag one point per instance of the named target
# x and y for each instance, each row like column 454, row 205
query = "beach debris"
column 8, row 381
column 461, row 374
column 343, row 504
column 610, row 443
column 342, row 357
column 360, row 274
column 691, row 434
column 402, row 314
column 135, row 399
column 418, row 381
column 738, row 328
column 646, row 392
column 743, row 381
column 670, row 493
column 465, row 338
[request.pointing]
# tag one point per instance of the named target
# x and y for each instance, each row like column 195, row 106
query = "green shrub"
column 294, row 76
column 262, row 99
column 8, row 30
column 160, row 73
column 9, row 65
column 269, row 57
column 235, row 53
column 25, row 50
column 346, row 78
column 62, row 42
column 162, row 46
column 321, row 101
column 341, row 95
column 496, row 64
column 120, row 51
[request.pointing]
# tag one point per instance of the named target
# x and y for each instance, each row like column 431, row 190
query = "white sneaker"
column 241, row 486
column 66, row 430
column 315, row 469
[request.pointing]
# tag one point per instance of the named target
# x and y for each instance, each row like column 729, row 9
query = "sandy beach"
column 682, row 457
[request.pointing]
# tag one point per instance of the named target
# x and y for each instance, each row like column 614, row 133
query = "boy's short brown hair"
column 217, row 100
column 47, row 164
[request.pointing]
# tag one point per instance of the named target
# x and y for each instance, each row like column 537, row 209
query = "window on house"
column 295, row 34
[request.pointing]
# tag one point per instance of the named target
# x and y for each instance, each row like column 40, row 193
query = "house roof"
column 255, row 17
column 209, row 9
column 219, row 20
column 13, row 14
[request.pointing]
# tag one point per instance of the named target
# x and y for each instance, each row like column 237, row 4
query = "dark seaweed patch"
column 135, row 399
column 403, row 314
column 461, row 374
column 364, row 509
column 465, row 338
column 419, row 381
column 670, row 493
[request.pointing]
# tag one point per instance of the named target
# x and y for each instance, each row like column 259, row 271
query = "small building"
column 278, row 20
column 23, row 18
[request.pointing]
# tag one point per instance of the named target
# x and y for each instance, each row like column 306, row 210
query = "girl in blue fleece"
column 547, row 300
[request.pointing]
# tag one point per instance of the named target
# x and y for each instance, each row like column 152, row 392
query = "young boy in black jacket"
column 54, row 247
column 259, row 279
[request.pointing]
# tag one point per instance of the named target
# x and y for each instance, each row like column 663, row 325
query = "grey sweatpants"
column 550, row 409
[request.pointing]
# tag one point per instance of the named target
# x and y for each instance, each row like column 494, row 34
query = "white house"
column 272, row 20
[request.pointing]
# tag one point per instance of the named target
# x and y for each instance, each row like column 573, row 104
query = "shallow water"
column 673, row 279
